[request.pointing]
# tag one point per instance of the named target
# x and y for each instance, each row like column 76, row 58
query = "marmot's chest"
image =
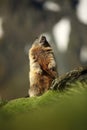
column 43, row 58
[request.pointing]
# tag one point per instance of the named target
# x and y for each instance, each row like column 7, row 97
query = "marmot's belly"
column 40, row 84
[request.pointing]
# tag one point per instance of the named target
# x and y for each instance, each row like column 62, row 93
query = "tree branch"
column 60, row 83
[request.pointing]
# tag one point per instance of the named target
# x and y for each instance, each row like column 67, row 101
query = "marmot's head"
column 42, row 41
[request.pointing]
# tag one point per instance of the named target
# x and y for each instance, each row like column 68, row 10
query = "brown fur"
column 42, row 67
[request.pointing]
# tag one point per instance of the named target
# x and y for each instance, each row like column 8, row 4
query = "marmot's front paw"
column 51, row 65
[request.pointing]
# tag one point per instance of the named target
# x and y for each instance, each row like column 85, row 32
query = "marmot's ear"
column 43, row 41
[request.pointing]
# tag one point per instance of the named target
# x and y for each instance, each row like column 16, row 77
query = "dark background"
column 22, row 22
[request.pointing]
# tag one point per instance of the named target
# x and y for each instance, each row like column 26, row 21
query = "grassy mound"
column 53, row 110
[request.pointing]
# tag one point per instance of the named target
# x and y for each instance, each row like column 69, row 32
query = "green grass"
column 2, row 102
column 53, row 110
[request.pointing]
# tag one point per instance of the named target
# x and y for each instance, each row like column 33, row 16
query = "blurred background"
column 63, row 22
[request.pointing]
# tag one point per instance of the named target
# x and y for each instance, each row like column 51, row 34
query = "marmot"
column 42, row 67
